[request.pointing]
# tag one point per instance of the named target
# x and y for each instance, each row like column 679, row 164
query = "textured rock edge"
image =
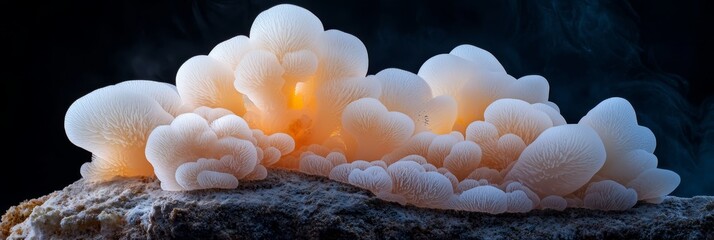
column 289, row 204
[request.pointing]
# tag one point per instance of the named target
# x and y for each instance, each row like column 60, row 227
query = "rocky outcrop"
column 290, row 205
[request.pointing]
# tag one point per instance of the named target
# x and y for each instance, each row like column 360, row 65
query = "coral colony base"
column 461, row 134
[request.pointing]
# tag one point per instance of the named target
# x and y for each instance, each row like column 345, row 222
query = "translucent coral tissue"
column 460, row 134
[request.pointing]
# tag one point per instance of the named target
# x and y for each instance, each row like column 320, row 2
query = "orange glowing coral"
column 461, row 134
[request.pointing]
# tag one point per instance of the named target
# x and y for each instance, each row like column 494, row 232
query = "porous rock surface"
column 291, row 205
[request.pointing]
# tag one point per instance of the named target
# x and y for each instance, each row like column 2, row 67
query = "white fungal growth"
column 333, row 98
column 463, row 158
column 484, row 199
column 341, row 172
column 418, row 186
column 259, row 77
column 482, row 58
column 560, row 161
column 531, row 88
column 211, row 179
column 497, row 152
column 475, row 79
column 553, row 202
column 315, row 165
column 408, row 93
column 113, row 123
column 609, row 195
column 652, row 184
column 163, row 93
column 403, row 91
column 517, row 117
column 518, row 202
column 418, row 145
column 552, row 112
column 191, row 144
column 438, row 115
column 376, row 130
column 485, row 173
column 629, row 146
column 516, row 186
column 461, row 134
column 447, row 74
column 440, row 148
column 231, row 51
column 205, row 81
column 271, row 32
column 467, row 184
column 373, row 178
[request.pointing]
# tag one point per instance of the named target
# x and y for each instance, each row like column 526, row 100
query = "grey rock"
column 291, row 205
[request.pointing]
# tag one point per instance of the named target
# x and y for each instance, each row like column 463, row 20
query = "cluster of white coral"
column 212, row 148
column 460, row 134
column 131, row 130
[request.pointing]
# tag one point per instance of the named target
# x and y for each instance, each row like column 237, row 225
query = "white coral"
column 461, row 134
column 114, row 122
column 560, row 160
column 191, row 145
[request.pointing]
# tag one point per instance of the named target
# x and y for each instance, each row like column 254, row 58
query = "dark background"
column 654, row 53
